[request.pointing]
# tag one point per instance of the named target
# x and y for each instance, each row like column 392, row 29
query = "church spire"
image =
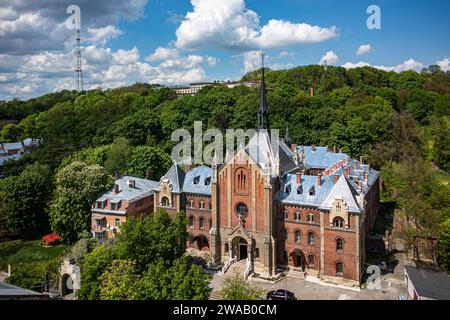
column 263, row 113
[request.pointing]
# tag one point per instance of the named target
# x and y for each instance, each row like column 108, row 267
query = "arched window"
column 298, row 216
column 311, row 261
column 202, row 204
column 226, row 247
column 284, row 234
column 165, row 202
column 311, row 217
column 338, row 223
column 311, row 238
column 286, row 215
column 202, row 223
column 339, row 269
column 191, row 222
column 297, row 236
column 339, row 244
column 242, row 210
column 191, row 203
column 242, row 180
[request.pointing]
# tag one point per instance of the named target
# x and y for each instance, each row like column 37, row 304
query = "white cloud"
column 104, row 34
column 126, row 57
column 285, row 54
column 162, row 53
column 363, row 49
column 252, row 61
column 229, row 24
column 330, row 58
column 444, row 64
column 409, row 64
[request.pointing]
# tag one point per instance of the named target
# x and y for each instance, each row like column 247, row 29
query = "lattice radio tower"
column 79, row 66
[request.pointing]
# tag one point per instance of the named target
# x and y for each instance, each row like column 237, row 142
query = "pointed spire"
column 263, row 113
column 287, row 138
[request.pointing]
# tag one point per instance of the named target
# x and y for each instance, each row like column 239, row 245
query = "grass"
column 31, row 263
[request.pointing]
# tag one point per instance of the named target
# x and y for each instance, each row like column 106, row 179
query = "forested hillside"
column 398, row 122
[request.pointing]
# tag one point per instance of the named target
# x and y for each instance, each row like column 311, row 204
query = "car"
column 280, row 295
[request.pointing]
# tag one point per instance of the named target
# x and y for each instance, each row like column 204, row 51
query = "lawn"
column 31, row 264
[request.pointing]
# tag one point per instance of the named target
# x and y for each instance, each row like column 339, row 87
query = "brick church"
column 308, row 208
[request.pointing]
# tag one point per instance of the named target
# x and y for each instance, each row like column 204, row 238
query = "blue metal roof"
column 198, row 180
column 176, row 177
column 321, row 157
column 143, row 187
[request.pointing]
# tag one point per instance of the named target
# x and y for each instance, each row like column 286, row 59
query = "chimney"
column 360, row 160
column 335, row 178
column 294, row 148
column 131, row 183
column 313, row 148
column 354, row 165
column 312, row 91
column 347, row 171
column 299, row 178
column 116, row 188
column 366, row 178
column 319, row 179
column 334, row 149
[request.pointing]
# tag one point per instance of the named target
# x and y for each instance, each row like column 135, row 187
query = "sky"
column 173, row 42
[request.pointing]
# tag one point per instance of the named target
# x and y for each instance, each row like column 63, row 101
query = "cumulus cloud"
column 104, row 34
column 444, row 64
column 409, row 64
column 102, row 67
column 363, row 49
column 351, row 65
column 229, row 24
column 329, row 58
column 28, row 27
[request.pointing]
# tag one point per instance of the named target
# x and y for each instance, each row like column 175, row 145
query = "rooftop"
column 430, row 284
column 142, row 188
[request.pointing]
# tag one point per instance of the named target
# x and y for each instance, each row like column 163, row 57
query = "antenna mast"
column 79, row 66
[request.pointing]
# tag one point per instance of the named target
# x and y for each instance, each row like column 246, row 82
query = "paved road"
column 306, row 290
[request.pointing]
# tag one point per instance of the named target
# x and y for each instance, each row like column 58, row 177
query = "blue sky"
column 175, row 41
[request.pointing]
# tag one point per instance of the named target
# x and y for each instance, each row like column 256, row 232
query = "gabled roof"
column 198, row 180
column 175, row 176
column 343, row 190
column 321, row 157
column 143, row 187
column 266, row 152
column 429, row 284
column 304, row 198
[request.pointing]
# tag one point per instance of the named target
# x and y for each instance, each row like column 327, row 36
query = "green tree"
column 120, row 282
column 236, row 288
column 24, row 202
column 93, row 266
column 117, row 156
column 444, row 245
column 152, row 160
column 77, row 186
column 151, row 238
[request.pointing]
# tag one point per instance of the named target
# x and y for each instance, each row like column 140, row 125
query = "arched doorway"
column 66, row 285
column 201, row 242
column 240, row 248
column 298, row 259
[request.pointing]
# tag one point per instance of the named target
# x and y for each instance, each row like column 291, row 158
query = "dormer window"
column 207, row 181
column 312, row 191
column 299, row 190
column 101, row 204
column 287, row 189
column 116, row 206
column 197, row 180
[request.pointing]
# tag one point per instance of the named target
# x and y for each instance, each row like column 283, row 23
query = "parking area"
column 309, row 290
